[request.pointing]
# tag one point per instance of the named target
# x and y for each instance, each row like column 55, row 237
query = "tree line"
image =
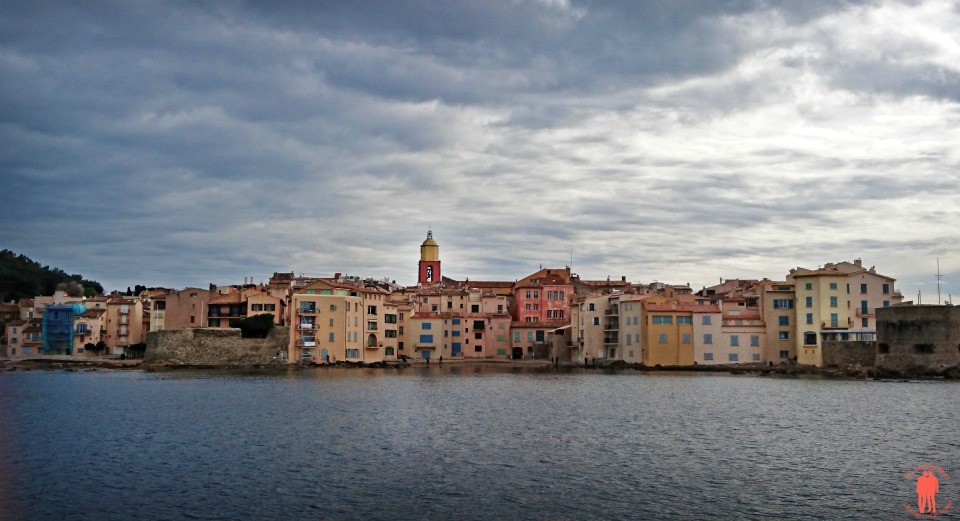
column 22, row 277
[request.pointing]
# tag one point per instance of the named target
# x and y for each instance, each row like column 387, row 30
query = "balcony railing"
column 308, row 311
column 865, row 313
column 303, row 326
column 612, row 311
column 307, row 343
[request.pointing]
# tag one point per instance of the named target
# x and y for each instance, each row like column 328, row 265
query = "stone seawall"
column 848, row 352
column 918, row 338
column 197, row 346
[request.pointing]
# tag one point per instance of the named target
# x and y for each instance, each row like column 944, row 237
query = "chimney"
column 858, row 262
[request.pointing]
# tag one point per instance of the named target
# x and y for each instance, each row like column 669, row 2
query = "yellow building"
column 821, row 307
column 667, row 333
column 838, row 301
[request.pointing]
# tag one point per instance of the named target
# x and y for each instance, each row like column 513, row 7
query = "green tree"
column 257, row 326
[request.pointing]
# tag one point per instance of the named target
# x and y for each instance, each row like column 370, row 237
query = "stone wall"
column 918, row 338
column 198, row 346
column 844, row 353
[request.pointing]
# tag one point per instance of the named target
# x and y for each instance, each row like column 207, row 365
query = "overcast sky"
column 178, row 144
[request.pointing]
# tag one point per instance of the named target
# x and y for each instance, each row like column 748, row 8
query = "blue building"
column 58, row 328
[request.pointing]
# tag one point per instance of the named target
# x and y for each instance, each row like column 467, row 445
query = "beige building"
column 170, row 309
column 777, row 304
column 343, row 321
column 89, row 328
column 124, row 324
column 837, row 301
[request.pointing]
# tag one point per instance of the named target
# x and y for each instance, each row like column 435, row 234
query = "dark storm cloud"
column 201, row 142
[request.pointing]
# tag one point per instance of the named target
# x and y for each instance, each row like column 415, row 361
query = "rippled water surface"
column 467, row 443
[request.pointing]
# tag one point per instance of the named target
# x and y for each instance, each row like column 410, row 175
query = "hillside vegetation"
column 21, row 277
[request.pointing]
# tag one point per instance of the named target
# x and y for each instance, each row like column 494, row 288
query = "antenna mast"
column 939, row 298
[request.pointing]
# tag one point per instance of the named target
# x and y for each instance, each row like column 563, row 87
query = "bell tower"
column 429, row 267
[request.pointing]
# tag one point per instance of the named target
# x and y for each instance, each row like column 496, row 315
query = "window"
column 400, row 330
column 784, row 354
column 425, row 339
column 685, row 338
column 864, row 322
column 784, row 335
column 833, row 302
column 707, row 338
column 478, row 348
column 864, row 307
column 783, row 303
column 662, row 319
column 527, row 294
column 536, row 294
column 708, row 356
column 527, row 306
column 663, row 338
column 591, row 307
column 886, row 289
column 734, row 340
column 684, row 321
column 629, row 338
column 756, row 357
column 784, row 320
column 833, row 285
column 214, row 322
column 734, row 357
column 353, row 353
column 808, row 286
column 886, row 303
column 834, row 320
column 516, row 336
column 863, row 288
column 455, row 332
column 475, row 308
column 371, row 325
column 596, row 321
column 449, row 304
column 536, row 307
column 810, row 338
column 390, row 333
column 754, row 340
column 809, row 318
column 390, row 318
column 330, row 337
column 333, row 307
column 706, row 320
column 308, row 307
column 426, row 325
column 809, row 302
column 478, row 336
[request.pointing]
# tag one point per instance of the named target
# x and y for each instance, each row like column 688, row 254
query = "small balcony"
column 308, row 311
column 612, row 311
column 304, row 326
column 307, row 343
column 865, row 313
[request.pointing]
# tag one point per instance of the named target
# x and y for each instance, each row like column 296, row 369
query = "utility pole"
column 939, row 277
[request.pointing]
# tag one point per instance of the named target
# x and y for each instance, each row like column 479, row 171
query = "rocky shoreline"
column 849, row 372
